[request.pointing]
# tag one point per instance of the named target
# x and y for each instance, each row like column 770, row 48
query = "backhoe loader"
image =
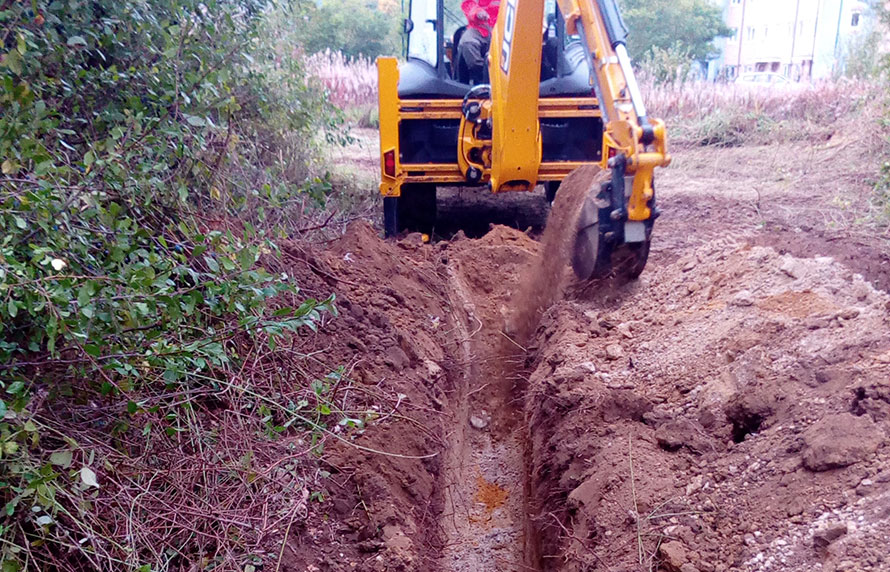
column 560, row 93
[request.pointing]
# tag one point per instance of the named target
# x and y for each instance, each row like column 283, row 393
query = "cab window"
column 423, row 39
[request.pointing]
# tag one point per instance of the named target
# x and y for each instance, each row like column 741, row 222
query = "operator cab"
column 434, row 29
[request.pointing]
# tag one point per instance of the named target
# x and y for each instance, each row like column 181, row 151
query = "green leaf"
column 2, row 409
column 13, row 60
column 88, row 476
column 15, row 388
column 132, row 407
column 9, row 509
column 62, row 458
column 75, row 41
column 211, row 264
column 12, row 308
column 93, row 350
column 324, row 409
column 196, row 121
column 85, row 294
column 21, row 223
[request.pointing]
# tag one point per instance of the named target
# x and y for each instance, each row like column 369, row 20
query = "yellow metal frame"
column 512, row 159
column 393, row 110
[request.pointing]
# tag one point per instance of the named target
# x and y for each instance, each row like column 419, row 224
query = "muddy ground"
column 728, row 411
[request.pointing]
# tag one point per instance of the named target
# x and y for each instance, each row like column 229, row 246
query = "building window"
column 855, row 21
column 765, row 32
column 735, row 34
column 750, row 33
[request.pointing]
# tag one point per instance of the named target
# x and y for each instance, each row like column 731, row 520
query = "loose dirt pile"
column 727, row 412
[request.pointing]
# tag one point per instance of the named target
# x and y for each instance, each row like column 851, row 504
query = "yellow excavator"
column 559, row 93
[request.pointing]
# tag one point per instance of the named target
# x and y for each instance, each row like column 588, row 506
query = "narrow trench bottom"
column 488, row 521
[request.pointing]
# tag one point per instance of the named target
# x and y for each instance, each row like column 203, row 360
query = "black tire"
column 631, row 260
column 416, row 208
column 390, row 216
column 550, row 188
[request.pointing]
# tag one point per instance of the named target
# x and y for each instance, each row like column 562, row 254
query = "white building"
column 801, row 39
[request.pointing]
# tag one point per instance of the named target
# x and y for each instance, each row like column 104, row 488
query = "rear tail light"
column 389, row 163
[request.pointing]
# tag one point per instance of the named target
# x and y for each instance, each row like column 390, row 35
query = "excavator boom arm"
column 515, row 75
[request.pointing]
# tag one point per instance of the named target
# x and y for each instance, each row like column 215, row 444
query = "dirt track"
column 728, row 411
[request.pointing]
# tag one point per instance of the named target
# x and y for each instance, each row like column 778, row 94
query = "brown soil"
column 729, row 411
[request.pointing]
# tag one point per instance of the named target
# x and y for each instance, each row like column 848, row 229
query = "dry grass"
column 700, row 113
column 349, row 82
column 725, row 115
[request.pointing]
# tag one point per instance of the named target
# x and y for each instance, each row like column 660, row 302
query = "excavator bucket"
column 589, row 256
column 600, row 249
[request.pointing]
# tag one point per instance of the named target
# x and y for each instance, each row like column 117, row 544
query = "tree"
column 357, row 28
column 680, row 25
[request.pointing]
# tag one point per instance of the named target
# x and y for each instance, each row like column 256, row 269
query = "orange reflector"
column 389, row 163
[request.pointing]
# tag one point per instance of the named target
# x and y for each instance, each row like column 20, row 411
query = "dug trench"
column 728, row 411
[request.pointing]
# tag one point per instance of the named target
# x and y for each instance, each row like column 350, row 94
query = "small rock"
column 865, row 488
column 840, row 441
column 849, row 314
column 688, row 568
column 673, row 556
column 614, row 352
column 688, row 264
column 396, row 358
column 817, row 322
column 674, row 435
column 828, row 534
column 796, row 506
column 750, row 540
column 413, row 240
column 793, row 267
column 861, row 290
column 432, row 368
column 588, row 366
column 743, row 298
column 480, row 422
column 624, row 330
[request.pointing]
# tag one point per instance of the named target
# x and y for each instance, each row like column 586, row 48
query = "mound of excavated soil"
column 730, row 411
column 380, row 504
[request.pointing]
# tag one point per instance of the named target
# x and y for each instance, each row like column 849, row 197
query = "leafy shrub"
column 355, row 28
column 149, row 149
column 690, row 24
column 667, row 65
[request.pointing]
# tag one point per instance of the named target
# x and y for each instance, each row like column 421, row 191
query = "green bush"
column 144, row 145
column 667, row 65
column 691, row 24
column 355, row 28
